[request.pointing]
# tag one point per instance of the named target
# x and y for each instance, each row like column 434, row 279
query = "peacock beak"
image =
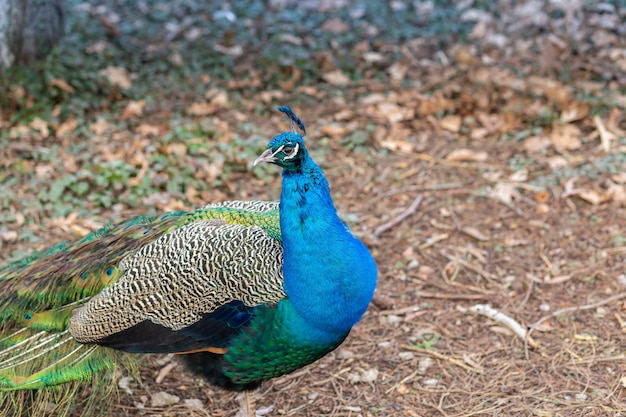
column 267, row 156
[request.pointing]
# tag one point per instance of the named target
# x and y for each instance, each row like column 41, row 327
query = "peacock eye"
column 288, row 150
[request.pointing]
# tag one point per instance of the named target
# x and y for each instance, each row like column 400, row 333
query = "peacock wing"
column 192, row 288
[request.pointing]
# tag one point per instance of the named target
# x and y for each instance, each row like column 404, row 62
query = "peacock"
column 247, row 290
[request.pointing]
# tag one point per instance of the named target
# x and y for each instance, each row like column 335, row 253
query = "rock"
column 194, row 403
column 163, row 399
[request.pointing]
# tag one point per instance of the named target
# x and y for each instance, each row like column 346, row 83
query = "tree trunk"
column 29, row 29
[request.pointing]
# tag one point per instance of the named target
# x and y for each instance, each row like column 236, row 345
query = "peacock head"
column 286, row 150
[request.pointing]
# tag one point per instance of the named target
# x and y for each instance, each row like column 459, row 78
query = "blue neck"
column 330, row 275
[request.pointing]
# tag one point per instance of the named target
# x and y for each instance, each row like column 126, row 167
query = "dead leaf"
column 619, row 178
column 557, row 162
column 67, row 126
column 618, row 191
column 61, row 84
column 178, row 149
column 451, row 123
column 467, row 155
column 335, row 25
column 430, row 106
column 219, row 99
column 133, row 108
column 201, row 109
column 117, row 76
column 41, row 126
column 100, row 127
column 553, row 90
column 536, row 144
column 565, row 137
column 505, row 192
column 398, row 145
column 271, row 95
column 575, row 111
column 335, row 130
column 397, row 72
column 592, row 196
column 336, row 77
column 147, row 130
column 395, row 113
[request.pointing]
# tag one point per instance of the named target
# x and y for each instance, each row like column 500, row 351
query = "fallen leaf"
column 219, row 99
column 336, row 77
column 117, row 76
column 618, row 191
column 397, row 72
column 505, row 192
column 575, row 111
column 536, row 144
column 61, row 84
column 201, row 109
column 178, row 149
column 557, row 162
column 41, row 126
column 147, row 130
column 271, row 95
column 592, row 196
column 67, row 126
column 395, row 113
column 398, row 145
column 335, row 25
column 619, row 178
column 133, row 108
column 565, row 137
column 451, row 123
column 467, row 155
column 335, row 130
column 100, row 126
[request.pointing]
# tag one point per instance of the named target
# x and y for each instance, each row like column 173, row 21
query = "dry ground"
column 480, row 177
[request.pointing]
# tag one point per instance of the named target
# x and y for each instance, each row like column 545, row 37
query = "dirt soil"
column 490, row 188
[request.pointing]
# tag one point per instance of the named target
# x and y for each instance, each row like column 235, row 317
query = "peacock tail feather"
column 41, row 292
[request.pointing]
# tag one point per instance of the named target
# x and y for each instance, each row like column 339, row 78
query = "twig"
column 488, row 311
column 444, row 357
column 164, row 372
column 451, row 296
column 577, row 308
column 400, row 311
column 471, row 267
column 406, row 213
column 422, row 188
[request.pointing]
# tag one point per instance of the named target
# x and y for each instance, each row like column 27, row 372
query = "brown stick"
column 405, row 214
column 444, row 357
column 452, row 296
column 577, row 308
